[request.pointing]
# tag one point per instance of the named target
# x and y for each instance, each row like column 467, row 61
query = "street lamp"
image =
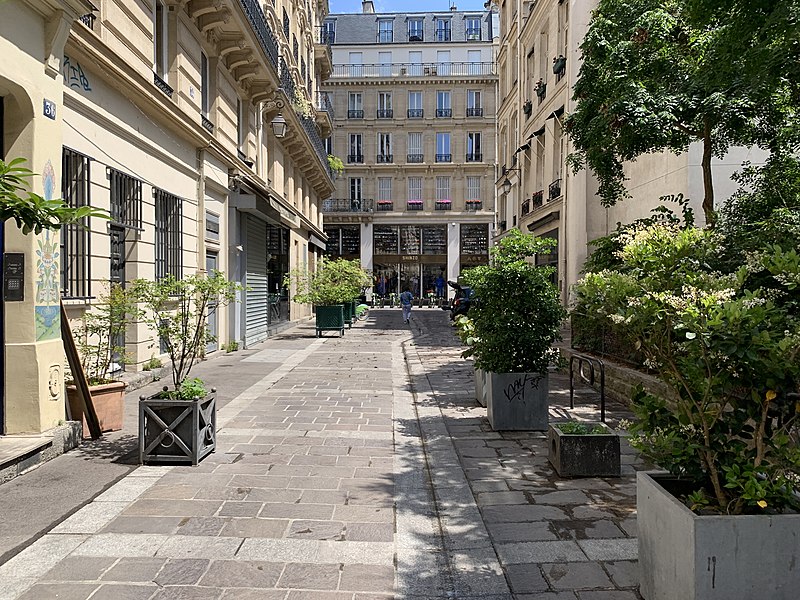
column 507, row 186
column 507, row 183
column 279, row 126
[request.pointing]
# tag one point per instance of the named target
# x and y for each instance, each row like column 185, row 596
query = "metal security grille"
column 76, row 275
column 126, row 199
column 168, row 234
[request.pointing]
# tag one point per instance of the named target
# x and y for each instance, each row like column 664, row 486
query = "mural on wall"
column 48, row 309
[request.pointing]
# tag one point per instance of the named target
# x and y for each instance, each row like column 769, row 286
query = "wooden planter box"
column 109, row 404
column 712, row 557
column 584, row 455
column 177, row 431
column 517, row 401
column 330, row 318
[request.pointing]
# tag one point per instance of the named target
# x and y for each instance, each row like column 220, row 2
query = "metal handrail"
column 443, row 69
column 591, row 361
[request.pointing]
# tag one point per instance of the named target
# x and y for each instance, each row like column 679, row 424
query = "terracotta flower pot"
column 109, row 402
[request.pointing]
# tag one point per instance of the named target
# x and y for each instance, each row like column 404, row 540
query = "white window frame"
column 472, row 96
column 415, row 188
column 356, row 188
column 443, row 100
column 160, row 39
column 384, row 144
column 355, row 101
column 384, row 188
column 205, row 82
column 474, row 142
column 415, row 105
column 473, row 187
column 416, row 30
column 385, row 26
column 472, row 23
column 441, row 137
column 384, row 100
column 442, row 187
column 356, row 142
column 413, row 146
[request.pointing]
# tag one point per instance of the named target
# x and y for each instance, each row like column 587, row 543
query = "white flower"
column 690, row 335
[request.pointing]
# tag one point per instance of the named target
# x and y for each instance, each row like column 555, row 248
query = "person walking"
column 406, row 298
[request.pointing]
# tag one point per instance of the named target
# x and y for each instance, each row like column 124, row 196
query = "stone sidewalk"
column 356, row 468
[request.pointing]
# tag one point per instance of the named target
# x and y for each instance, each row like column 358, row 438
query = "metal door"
column 211, row 319
column 116, row 236
column 256, row 304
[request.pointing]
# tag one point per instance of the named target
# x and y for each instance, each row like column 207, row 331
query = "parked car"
column 462, row 300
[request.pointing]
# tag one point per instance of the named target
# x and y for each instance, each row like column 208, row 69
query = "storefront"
column 474, row 246
column 409, row 257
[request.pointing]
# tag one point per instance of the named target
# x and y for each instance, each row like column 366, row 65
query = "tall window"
column 474, row 103
column 384, row 188
column 442, row 30
column 355, row 106
column 355, row 188
column 328, row 32
column 205, row 95
column 384, row 101
column 168, row 234
column 76, row 275
column 240, row 124
column 473, row 28
column 356, row 154
column 160, row 24
column 415, row 147
column 415, row 63
column 443, row 62
column 415, row 105
column 385, row 63
column 474, row 151
column 356, row 60
column 473, row 188
column 126, row 199
column 415, row 188
column 385, row 31
column 328, row 141
column 443, row 147
column 474, row 60
column 384, row 147
column 443, row 108
column 415, row 30
column 442, row 188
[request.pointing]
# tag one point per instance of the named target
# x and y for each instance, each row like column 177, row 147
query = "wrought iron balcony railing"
column 475, row 112
column 355, row 114
column 444, row 205
column 554, row 190
column 266, row 39
column 395, row 70
column 475, row 157
column 355, row 158
column 324, row 103
column 444, row 112
column 474, row 205
column 353, row 205
column 415, row 205
column 207, row 123
column 384, row 113
column 384, row 206
column 537, row 200
column 526, row 207
column 444, row 158
column 415, row 113
column 384, row 158
column 162, row 85
column 415, row 158
column 88, row 20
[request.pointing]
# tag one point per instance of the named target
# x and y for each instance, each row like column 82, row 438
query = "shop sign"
column 284, row 212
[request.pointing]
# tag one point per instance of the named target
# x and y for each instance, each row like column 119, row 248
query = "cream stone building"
column 196, row 125
column 414, row 96
column 538, row 64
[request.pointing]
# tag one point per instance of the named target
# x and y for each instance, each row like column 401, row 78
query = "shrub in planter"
column 730, row 353
column 584, row 449
column 99, row 339
column 515, row 322
column 179, row 424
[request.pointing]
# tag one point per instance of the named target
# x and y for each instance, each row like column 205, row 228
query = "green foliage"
column 231, row 346
column 191, row 388
column 517, row 315
column 578, row 428
column 152, row 364
column 465, row 330
column 30, row 211
column 334, row 282
column 100, row 329
column 336, row 164
column 660, row 74
column 176, row 310
column 728, row 353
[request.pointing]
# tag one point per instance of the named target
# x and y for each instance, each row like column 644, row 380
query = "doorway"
column 212, row 321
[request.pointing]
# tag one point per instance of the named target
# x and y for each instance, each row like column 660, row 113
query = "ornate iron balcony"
column 444, row 158
column 385, row 113
column 444, row 112
column 444, row 205
column 385, row 206
column 554, row 191
column 475, row 112
column 162, row 85
column 355, row 158
column 384, row 158
column 355, row 114
column 356, row 205
column 415, row 158
column 475, row 157
column 415, row 113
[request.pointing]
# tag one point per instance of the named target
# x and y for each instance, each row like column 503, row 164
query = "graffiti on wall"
column 74, row 76
column 48, row 272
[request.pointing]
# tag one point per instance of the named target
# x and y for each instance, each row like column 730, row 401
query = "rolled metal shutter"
column 256, row 307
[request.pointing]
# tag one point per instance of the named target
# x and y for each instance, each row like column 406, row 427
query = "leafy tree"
column 660, row 74
column 334, row 282
column 30, row 211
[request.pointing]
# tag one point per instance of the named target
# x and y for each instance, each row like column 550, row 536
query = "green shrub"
column 231, row 346
column 152, row 364
column 334, row 282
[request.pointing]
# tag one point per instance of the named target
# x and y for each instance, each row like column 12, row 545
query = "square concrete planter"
column 584, row 455
column 330, row 318
column 517, row 401
column 177, row 431
column 715, row 557
column 109, row 403
column 480, row 386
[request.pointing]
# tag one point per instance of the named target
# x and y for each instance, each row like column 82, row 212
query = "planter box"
column 584, row 455
column 517, row 401
column 480, row 386
column 330, row 318
column 109, row 404
column 683, row 555
column 177, row 431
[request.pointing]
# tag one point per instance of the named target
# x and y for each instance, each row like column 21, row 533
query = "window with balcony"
column 385, row 105
column 443, row 147
column 473, row 198
column 415, row 105
column 385, row 31
column 205, row 92
column 385, row 64
column 473, row 32
column 355, row 189
column 415, row 153
column 474, row 151
column 474, row 103
column 443, row 64
column 168, row 234
column 160, row 45
column 76, row 275
column 415, row 33
column 355, row 106
column 442, row 30
column 415, row 201
column 356, row 62
column 384, row 148
column 443, row 107
column 356, row 152
column 443, row 200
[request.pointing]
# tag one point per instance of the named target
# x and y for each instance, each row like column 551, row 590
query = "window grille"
column 126, row 199
column 76, row 274
column 168, row 234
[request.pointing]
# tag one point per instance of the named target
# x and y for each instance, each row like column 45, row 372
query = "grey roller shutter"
column 256, row 307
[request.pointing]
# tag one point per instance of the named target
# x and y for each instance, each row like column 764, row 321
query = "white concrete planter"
column 480, row 386
column 689, row 557
column 517, row 401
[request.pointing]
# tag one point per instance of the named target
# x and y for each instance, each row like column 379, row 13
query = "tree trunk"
column 708, row 182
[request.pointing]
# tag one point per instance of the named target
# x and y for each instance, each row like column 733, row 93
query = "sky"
column 354, row 6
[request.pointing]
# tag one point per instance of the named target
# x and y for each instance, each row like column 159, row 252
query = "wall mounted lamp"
column 279, row 126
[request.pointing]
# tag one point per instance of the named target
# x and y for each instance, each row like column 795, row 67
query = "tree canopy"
column 660, row 74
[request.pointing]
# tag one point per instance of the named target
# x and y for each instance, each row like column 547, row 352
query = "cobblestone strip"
column 474, row 567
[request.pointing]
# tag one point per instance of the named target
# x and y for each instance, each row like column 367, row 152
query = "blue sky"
column 354, row 6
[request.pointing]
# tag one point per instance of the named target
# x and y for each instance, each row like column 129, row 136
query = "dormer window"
column 415, row 30
column 385, row 31
column 443, row 30
column 473, row 29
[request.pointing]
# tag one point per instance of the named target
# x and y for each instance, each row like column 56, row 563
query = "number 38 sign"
column 49, row 109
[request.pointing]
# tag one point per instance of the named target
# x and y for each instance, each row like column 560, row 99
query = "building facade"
column 196, row 125
column 538, row 64
column 415, row 101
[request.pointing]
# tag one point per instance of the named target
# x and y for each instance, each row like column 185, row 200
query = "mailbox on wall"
column 13, row 277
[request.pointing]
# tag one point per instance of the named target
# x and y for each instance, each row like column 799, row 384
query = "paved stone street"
column 354, row 468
